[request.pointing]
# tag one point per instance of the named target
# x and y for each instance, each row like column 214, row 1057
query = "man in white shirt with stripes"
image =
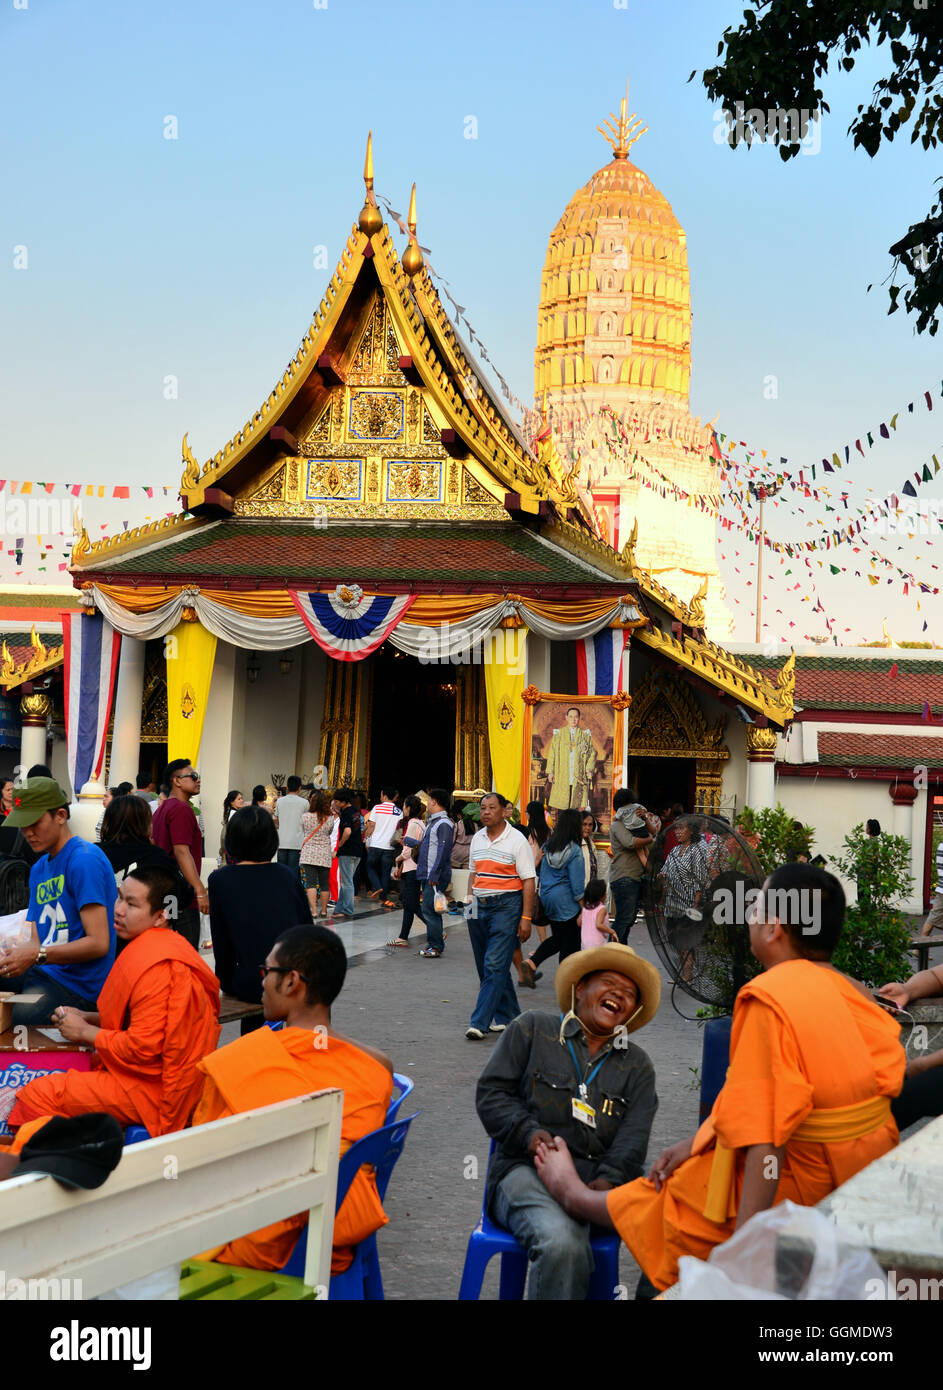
column 378, row 831
column 502, row 878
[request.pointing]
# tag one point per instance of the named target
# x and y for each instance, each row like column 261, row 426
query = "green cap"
column 33, row 798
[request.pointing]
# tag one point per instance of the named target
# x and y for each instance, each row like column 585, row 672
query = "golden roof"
column 616, row 269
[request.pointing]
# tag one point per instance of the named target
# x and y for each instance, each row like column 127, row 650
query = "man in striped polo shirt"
column 502, row 883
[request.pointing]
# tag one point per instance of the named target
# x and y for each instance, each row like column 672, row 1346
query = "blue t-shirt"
column 59, row 887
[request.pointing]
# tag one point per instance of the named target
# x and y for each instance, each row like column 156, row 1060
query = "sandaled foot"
column 399, row 943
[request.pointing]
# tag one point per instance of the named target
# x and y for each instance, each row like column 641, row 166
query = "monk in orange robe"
column 814, row 1063
column 302, row 976
column 158, row 1015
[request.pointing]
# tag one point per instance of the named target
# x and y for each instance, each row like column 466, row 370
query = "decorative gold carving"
column 454, row 481
column 81, row 547
column 708, row 787
column 364, row 363
column 665, row 721
column 761, row 744
column 321, row 429
column 7, row 664
column 154, row 700
column 273, row 490
column 40, row 650
column 430, row 430
column 376, row 414
column 696, row 606
column 786, row 685
column 35, row 709
column 368, row 511
column 412, row 417
column 332, row 478
column 627, row 555
column 372, row 491
column 392, row 349
column 474, row 492
column 472, row 759
column 622, row 132
column 343, row 695
column 191, row 470
column 414, row 481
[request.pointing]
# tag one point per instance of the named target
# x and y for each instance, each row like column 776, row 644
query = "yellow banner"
column 504, row 661
column 190, row 651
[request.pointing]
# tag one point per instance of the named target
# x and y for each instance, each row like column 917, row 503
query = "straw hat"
column 624, row 961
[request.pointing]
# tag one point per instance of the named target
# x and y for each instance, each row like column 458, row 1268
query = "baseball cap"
column 33, row 798
column 77, row 1152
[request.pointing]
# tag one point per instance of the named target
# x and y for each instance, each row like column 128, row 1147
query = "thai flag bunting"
column 349, row 624
column 91, row 649
column 599, row 662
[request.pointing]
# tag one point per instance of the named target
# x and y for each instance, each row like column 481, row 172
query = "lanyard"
column 579, row 1075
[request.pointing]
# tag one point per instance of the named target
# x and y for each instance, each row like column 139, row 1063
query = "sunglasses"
column 192, row 776
column 280, row 970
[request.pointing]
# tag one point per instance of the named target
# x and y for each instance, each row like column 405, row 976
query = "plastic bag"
column 163, row 1286
column 786, row 1253
column 13, row 930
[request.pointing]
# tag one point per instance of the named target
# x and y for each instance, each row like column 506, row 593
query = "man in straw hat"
column 579, row 1082
column 814, row 1063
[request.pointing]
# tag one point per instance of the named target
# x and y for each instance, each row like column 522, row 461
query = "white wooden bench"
column 170, row 1198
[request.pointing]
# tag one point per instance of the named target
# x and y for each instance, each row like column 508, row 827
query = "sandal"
column 529, row 975
column 399, row 942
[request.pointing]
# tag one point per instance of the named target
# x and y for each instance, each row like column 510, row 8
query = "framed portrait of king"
column 573, row 751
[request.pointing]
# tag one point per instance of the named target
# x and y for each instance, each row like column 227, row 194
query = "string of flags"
column 116, row 491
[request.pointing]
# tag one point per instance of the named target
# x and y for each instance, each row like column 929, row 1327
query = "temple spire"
column 370, row 221
column 622, row 131
column 412, row 256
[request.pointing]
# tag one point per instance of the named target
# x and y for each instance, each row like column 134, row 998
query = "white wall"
column 270, row 735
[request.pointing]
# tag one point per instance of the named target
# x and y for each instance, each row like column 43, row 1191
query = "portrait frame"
column 604, row 717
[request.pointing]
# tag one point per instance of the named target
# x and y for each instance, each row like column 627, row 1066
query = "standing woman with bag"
column 315, row 855
column 412, row 830
column 562, row 879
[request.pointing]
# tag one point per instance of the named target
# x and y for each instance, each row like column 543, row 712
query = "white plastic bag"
column 13, row 930
column 786, row 1253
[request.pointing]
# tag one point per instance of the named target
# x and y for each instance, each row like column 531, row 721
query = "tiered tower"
column 614, row 330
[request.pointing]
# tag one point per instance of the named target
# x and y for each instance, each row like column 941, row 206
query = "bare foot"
column 556, row 1170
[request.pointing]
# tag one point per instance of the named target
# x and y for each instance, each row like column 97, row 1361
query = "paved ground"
column 417, row 1011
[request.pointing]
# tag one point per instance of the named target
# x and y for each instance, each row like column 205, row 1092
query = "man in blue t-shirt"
column 71, row 910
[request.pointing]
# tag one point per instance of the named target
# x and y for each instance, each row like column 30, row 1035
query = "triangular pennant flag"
column 909, row 489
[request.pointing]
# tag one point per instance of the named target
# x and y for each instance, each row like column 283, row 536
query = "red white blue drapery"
column 599, row 662
column 91, row 647
column 349, row 624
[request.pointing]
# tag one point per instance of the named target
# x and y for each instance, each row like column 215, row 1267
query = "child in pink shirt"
column 594, row 919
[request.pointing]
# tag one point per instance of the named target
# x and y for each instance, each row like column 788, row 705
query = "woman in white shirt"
column 412, row 830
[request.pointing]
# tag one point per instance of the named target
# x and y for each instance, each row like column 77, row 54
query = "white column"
column 623, row 780
column 537, row 659
column 760, row 783
column 220, row 762
column 126, row 741
column 34, row 711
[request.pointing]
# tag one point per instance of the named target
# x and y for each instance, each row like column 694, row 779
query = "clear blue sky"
column 193, row 257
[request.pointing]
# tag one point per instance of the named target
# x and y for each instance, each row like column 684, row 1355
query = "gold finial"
column 7, row 664
column 191, row 472
column 370, row 221
column 696, row 606
column 787, row 678
column 622, row 132
column 36, row 642
column 412, row 256
column 81, row 545
column 627, row 555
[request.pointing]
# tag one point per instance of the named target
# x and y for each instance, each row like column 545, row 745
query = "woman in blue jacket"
column 562, row 880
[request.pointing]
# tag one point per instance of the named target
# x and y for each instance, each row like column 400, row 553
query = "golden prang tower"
column 614, row 330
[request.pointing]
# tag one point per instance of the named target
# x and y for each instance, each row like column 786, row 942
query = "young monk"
column 302, row 976
column 158, row 1014
column 806, row 1104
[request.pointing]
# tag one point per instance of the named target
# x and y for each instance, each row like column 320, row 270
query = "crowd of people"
column 111, row 959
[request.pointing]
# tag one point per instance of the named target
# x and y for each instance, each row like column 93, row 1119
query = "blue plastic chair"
column 135, row 1134
column 405, row 1085
column 489, row 1239
column 362, row 1281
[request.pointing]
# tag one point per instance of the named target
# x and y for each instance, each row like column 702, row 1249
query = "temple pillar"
column 34, row 714
column 622, row 779
column 129, row 696
column 761, row 767
column 708, row 786
column 220, row 762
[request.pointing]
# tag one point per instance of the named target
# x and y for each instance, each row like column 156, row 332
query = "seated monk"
column 301, row 978
column 806, row 1104
column 158, row 1014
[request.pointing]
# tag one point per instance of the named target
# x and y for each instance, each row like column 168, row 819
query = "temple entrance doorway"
column 412, row 723
column 660, row 782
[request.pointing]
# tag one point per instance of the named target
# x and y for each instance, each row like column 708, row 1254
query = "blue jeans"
column 51, row 992
column 625, row 896
column 558, row 1248
column 432, row 919
column 379, row 867
column 347, row 864
column 291, row 858
column 493, row 934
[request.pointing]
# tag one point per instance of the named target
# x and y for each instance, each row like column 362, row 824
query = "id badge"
column 584, row 1112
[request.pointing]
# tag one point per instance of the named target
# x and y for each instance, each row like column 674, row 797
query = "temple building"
column 613, row 369
column 369, row 577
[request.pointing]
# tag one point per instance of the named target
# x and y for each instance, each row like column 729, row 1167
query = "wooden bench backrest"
column 173, row 1197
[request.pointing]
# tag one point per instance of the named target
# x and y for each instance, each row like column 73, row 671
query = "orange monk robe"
column 265, row 1067
column 159, row 1011
column 803, row 1039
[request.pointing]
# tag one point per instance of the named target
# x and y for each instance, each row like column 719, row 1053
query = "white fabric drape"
column 447, row 642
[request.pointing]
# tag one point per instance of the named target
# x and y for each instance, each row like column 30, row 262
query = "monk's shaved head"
column 317, row 954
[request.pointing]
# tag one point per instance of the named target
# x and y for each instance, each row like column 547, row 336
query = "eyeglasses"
column 193, row 776
column 281, row 970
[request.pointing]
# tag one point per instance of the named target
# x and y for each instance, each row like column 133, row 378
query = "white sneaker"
column 475, row 1034
column 496, row 1027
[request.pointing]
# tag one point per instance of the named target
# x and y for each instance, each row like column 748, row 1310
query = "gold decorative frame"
column 532, row 697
